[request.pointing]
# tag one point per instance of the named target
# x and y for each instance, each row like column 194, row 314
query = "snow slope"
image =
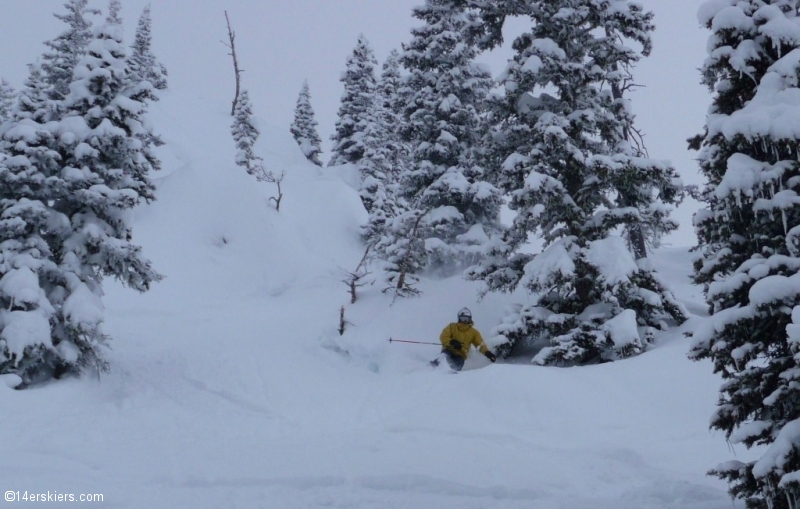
column 231, row 387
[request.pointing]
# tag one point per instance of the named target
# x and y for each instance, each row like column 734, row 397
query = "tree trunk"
column 236, row 70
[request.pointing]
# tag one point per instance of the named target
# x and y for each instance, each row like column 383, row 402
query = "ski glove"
column 489, row 355
column 455, row 344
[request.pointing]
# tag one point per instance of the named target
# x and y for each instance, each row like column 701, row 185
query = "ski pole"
column 413, row 342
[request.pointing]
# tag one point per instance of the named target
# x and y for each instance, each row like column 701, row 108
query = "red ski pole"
column 413, row 342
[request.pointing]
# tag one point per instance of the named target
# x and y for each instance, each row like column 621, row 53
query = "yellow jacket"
column 464, row 333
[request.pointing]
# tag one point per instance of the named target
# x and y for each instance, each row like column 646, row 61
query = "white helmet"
column 464, row 315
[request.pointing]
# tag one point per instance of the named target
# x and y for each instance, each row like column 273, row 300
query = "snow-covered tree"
column 107, row 163
column 443, row 124
column 29, row 180
column 245, row 134
column 67, row 190
column 33, row 101
column 402, row 249
column 574, row 176
column 385, row 155
column 749, row 240
column 113, row 18
column 376, row 172
column 147, row 74
column 8, row 97
column 356, row 105
column 66, row 50
column 144, row 65
column 304, row 127
column 388, row 92
column 389, row 107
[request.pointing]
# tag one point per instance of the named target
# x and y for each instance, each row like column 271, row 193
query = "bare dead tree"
column 276, row 179
column 232, row 46
column 354, row 280
column 259, row 170
column 342, row 322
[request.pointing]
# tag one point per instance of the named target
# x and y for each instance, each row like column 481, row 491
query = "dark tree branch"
column 354, row 279
column 342, row 322
column 271, row 177
column 236, row 70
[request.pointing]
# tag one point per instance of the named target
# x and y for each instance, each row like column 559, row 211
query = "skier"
column 457, row 338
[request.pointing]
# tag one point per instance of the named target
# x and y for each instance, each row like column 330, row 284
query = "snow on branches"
column 566, row 154
column 748, row 229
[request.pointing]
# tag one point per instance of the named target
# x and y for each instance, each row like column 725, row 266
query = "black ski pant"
column 456, row 361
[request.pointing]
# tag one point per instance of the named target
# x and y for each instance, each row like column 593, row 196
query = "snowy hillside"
column 230, row 385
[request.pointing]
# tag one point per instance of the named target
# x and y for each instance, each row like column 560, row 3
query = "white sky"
column 281, row 42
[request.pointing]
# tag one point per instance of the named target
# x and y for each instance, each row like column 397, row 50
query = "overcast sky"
column 282, row 42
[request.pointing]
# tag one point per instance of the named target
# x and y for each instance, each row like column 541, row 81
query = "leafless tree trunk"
column 276, row 179
column 354, row 279
column 232, row 46
column 342, row 322
column 261, row 174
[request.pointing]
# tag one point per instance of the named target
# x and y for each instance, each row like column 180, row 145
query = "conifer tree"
column 402, row 247
column 456, row 209
column 144, row 65
column 245, row 135
column 749, row 238
column 390, row 104
column 379, row 171
column 33, row 101
column 106, row 101
column 375, row 168
column 68, row 48
column 388, row 92
column 356, row 105
column 568, row 165
column 30, row 166
column 8, row 97
column 304, row 127
column 385, row 156
column 65, row 202
column 146, row 73
column 29, row 181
